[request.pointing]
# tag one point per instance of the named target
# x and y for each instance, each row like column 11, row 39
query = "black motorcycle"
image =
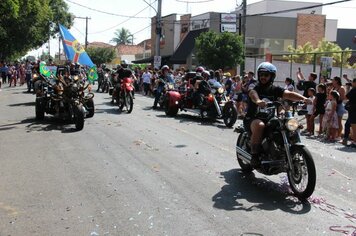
column 65, row 100
column 282, row 149
column 106, row 82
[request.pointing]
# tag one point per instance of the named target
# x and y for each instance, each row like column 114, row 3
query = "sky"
column 135, row 15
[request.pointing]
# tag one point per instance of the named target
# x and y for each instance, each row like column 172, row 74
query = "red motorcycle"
column 216, row 104
column 123, row 94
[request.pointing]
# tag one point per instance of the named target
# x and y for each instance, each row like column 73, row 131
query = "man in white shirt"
column 146, row 79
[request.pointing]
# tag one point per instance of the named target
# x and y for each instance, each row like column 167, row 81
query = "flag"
column 73, row 49
column 47, row 70
column 92, row 74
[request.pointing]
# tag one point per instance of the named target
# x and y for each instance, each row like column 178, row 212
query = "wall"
column 310, row 28
column 278, row 5
column 284, row 70
column 331, row 30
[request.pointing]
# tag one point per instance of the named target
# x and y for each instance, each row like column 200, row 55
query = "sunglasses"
column 264, row 74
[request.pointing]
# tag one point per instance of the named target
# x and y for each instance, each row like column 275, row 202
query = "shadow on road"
column 262, row 193
column 23, row 104
column 188, row 118
column 48, row 124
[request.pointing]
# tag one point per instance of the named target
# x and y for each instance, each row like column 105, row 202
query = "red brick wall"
column 310, row 28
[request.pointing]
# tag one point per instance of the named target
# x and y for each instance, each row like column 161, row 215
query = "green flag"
column 44, row 70
column 47, row 71
column 92, row 74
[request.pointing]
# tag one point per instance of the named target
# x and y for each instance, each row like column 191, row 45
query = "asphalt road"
column 147, row 174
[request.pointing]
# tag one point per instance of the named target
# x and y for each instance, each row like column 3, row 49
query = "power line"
column 299, row 8
column 120, row 22
column 142, row 29
column 108, row 13
column 201, row 1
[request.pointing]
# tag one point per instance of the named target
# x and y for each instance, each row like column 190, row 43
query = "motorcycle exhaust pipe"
column 245, row 156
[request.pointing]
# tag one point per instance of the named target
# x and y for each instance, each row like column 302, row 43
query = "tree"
column 122, row 36
column 219, row 50
column 26, row 24
column 302, row 54
column 101, row 55
column 306, row 53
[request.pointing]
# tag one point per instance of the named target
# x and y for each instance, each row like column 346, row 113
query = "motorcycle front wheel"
column 127, row 101
column 303, row 180
column 229, row 114
column 242, row 143
column 40, row 112
column 90, row 107
column 79, row 117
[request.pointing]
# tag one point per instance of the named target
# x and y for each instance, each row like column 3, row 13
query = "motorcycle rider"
column 122, row 72
column 264, row 89
column 164, row 77
column 201, row 88
column 101, row 73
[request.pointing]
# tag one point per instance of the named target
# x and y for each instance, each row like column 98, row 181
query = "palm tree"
column 122, row 36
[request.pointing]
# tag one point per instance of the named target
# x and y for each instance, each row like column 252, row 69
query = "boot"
column 255, row 160
column 255, row 155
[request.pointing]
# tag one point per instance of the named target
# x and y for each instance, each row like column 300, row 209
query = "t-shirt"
column 352, row 100
column 320, row 102
column 310, row 107
column 146, row 77
column 269, row 92
column 305, row 85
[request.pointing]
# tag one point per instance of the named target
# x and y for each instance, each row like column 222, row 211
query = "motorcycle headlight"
column 292, row 124
column 170, row 86
column 221, row 90
column 76, row 77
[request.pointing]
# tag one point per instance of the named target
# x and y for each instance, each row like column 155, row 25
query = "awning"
column 150, row 60
column 186, row 47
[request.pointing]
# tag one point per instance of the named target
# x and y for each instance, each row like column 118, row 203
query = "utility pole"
column 158, row 28
column 86, row 29
column 243, row 31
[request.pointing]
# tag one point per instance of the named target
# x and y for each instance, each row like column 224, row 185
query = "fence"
column 343, row 62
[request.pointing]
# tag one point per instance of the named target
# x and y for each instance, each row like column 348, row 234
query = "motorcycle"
column 68, row 102
column 282, row 149
column 215, row 105
column 106, row 83
column 123, row 94
column 167, row 87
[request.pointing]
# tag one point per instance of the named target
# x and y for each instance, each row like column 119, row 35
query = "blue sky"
column 101, row 27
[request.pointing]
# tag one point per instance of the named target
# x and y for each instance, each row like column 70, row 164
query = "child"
column 330, row 120
column 319, row 106
column 310, row 109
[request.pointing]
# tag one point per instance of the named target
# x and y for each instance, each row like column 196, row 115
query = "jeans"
column 347, row 128
column 158, row 95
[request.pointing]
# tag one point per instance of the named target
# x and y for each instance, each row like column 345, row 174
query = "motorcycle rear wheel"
column 245, row 167
column 303, row 180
